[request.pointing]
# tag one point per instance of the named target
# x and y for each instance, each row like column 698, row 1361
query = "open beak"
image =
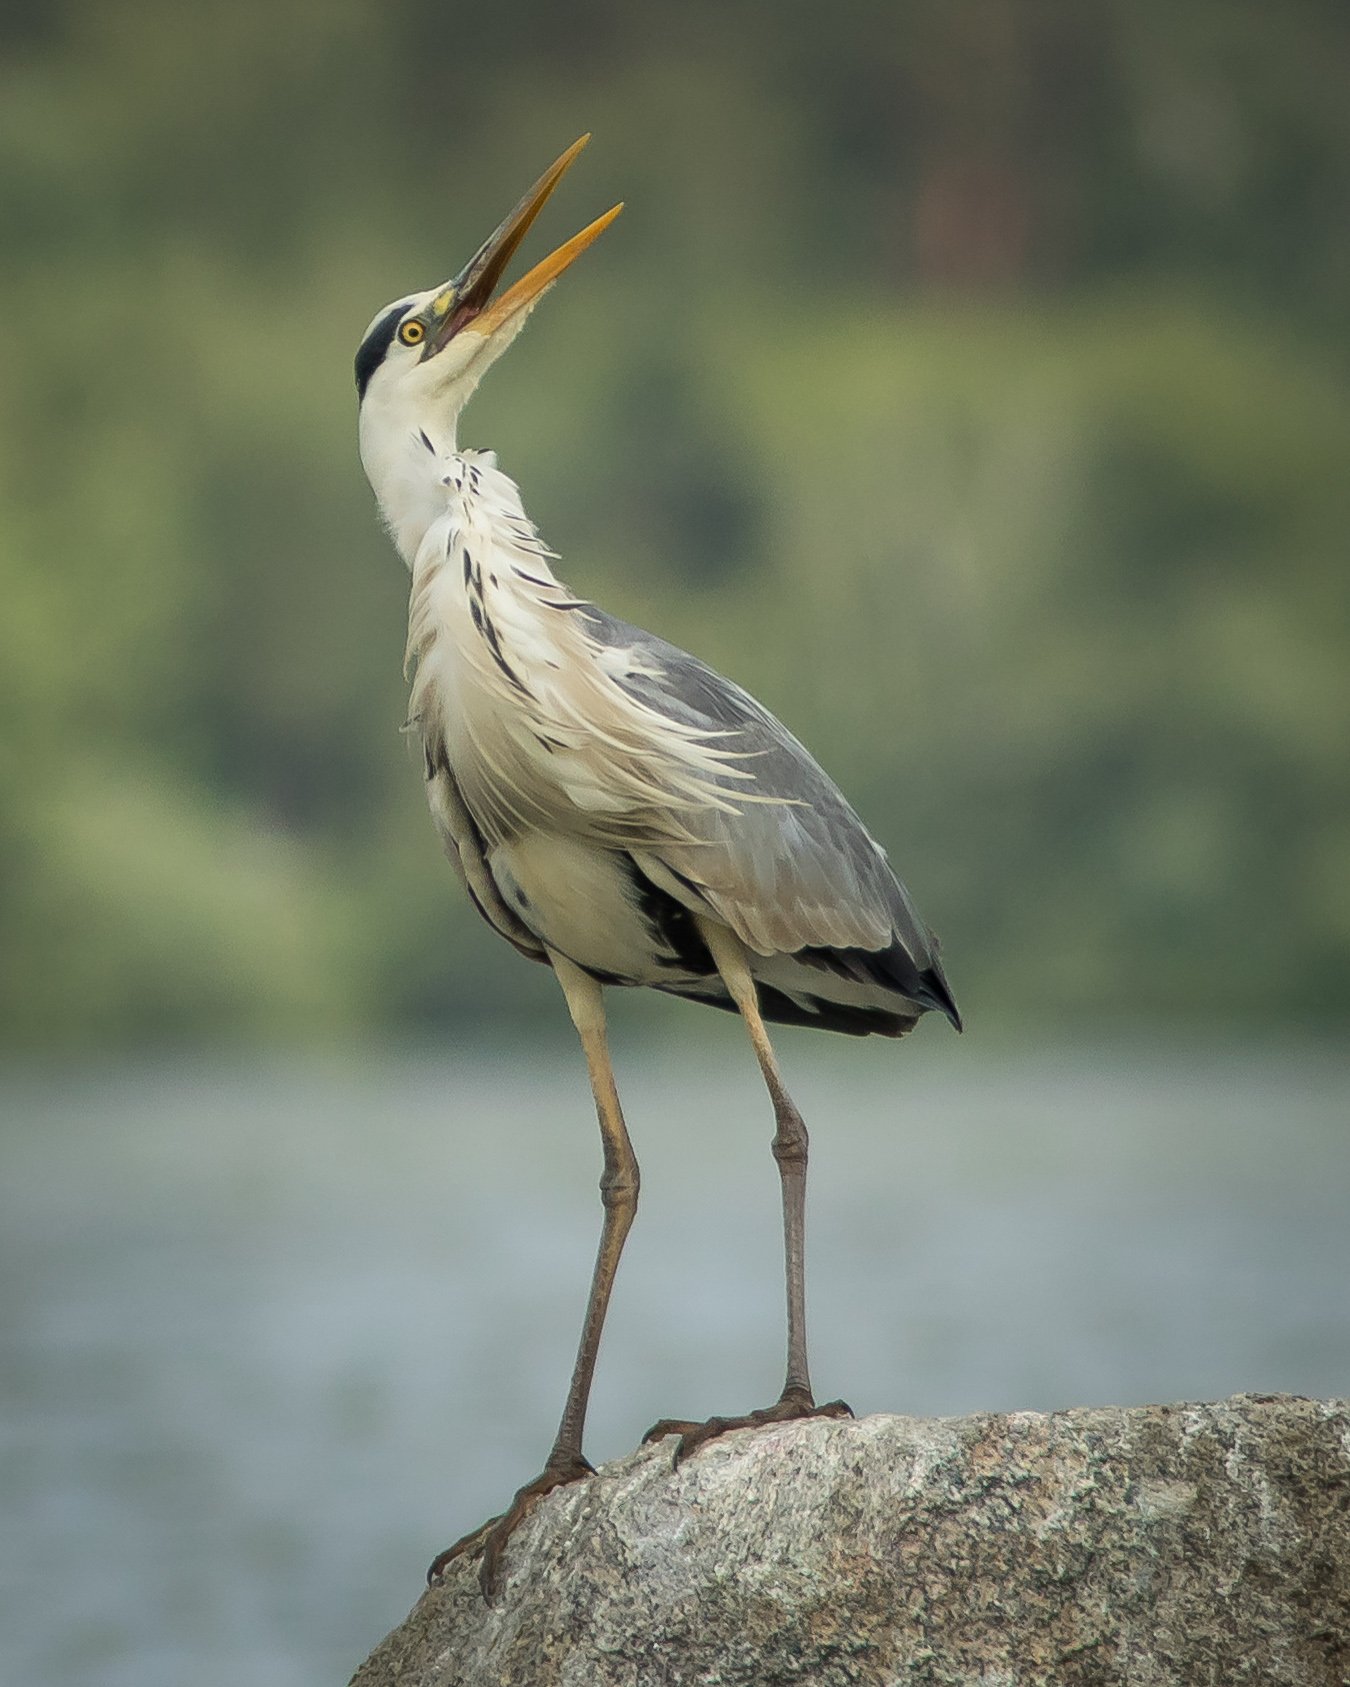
column 467, row 301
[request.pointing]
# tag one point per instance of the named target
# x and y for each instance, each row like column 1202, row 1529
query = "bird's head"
column 422, row 357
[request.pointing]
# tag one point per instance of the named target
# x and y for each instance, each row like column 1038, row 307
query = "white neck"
column 400, row 413
column 403, row 450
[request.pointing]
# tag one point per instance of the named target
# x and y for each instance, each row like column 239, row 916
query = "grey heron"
column 614, row 807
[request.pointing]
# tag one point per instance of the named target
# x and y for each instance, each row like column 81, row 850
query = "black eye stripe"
column 375, row 345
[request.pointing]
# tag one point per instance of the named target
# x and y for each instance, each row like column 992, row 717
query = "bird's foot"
column 793, row 1403
column 490, row 1538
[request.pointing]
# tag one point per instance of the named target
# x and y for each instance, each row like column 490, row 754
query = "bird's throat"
column 413, row 477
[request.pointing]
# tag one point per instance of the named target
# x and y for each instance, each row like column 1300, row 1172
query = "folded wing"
column 784, row 861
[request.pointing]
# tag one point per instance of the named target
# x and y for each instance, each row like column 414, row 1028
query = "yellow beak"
column 467, row 301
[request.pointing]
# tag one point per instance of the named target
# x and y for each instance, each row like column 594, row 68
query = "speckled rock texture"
column 1159, row 1545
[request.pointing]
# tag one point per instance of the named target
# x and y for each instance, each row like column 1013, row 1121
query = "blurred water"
column 273, row 1336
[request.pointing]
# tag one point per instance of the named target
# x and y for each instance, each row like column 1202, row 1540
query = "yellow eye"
column 412, row 333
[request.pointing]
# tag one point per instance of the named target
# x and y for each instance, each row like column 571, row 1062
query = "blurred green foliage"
column 968, row 379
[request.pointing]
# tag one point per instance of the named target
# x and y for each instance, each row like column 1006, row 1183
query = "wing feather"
column 798, row 870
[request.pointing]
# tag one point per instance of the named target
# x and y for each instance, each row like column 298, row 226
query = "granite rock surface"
column 1154, row 1545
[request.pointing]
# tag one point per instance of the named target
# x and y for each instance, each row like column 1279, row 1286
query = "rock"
column 1152, row 1545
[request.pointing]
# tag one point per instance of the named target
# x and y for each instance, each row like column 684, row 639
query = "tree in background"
column 969, row 381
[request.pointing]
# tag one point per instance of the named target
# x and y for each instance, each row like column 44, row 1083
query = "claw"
column 668, row 1426
column 490, row 1538
column 795, row 1403
column 467, row 1546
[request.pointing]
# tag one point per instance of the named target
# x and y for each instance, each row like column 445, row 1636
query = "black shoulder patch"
column 670, row 923
column 375, row 345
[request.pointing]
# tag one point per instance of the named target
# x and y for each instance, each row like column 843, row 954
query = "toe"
column 490, row 1538
column 795, row 1403
column 467, row 1546
column 668, row 1426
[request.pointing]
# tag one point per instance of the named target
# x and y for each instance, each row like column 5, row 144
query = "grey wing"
column 793, row 869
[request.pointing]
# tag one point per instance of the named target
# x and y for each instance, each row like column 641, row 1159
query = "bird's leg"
column 790, row 1151
column 619, row 1184
column 619, row 1193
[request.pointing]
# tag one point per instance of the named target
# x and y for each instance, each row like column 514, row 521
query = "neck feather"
column 404, row 456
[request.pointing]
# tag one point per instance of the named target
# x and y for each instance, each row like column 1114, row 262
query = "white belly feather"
column 580, row 899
